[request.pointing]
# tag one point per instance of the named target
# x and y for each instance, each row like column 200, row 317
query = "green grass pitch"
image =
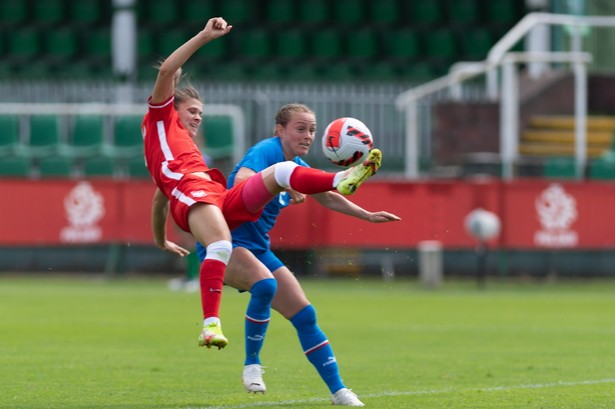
column 131, row 343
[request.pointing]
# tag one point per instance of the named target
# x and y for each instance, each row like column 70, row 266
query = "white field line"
column 411, row 393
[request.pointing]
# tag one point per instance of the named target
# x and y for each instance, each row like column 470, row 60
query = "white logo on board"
column 556, row 211
column 84, row 207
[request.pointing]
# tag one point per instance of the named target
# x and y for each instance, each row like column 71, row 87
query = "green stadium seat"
column 146, row 45
column 417, row 72
column 290, row 45
column 15, row 166
column 425, row 12
column 35, row 69
column 127, row 138
column 229, row 71
column 195, row 13
column 24, row 43
column 215, row 51
column 280, row 12
column 559, row 168
column 60, row 44
column 44, row 137
column 218, row 136
column 237, row 12
column 136, row 168
column 304, row 72
column 441, row 45
column 86, row 137
column 314, row 12
column 268, row 71
column 158, row 13
column 254, row 44
column 403, row 44
column 349, row 12
column 379, row 72
column 13, row 12
column 98, row 43
column 340, row 71
column 169, row 40
column 85, row 12
column 48, row 12
column 362, row 44
column 476, row 43
column 9, row 134
column 464, row 12
column 383, row 12
column 326, row 44
column 100, row 166
column 602, row 168
column 56, row 167
column 501, row 12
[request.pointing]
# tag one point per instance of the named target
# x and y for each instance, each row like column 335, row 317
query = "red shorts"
column 194, row 189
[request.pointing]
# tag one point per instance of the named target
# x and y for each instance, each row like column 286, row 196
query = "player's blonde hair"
column 286, row 113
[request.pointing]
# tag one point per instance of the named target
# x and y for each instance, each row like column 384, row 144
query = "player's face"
column 298, row 134
column 190, row 112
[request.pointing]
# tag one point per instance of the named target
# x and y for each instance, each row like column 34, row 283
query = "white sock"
column 338, row 177
column 282, row 173
column 211, row 320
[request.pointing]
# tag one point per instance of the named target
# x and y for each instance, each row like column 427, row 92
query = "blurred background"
column 502, row 105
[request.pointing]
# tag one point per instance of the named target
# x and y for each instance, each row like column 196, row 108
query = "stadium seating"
column 56, row 167
column 218, row 134
column 135, row 168
column 127, row 140
column 100, row 166
column 15, row 166
column 9, row 136
column 86, row 137
column 72, row 39
column 557, row 167
column 43, row 137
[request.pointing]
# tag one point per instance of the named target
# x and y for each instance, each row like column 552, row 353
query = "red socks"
column 212, row 280
column 309, row 181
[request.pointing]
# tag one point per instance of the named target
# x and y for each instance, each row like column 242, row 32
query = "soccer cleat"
column 358, row 174
column 346, row 397
column 253, row 378
column 212, row 336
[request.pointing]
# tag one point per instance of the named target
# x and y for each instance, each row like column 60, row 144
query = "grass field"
column 131, row 343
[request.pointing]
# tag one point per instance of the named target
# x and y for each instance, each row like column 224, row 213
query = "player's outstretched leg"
column 355, row 176
column 253, row 378
column 346, row 397
column 212, row 336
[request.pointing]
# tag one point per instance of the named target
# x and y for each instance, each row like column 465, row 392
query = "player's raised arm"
column 165, row 82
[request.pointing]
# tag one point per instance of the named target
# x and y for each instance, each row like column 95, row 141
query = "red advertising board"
column 533, row 214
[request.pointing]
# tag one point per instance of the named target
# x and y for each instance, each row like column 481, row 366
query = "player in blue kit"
column 276, row 286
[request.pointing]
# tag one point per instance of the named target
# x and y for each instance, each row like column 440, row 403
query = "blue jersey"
column 255, row 235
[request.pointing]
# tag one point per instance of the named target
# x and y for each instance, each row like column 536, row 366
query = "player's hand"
column 174, row 248
column 296, row 197
column 216, row 27
column 383, row 217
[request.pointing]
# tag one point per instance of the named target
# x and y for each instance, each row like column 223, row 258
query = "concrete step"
column 557, row 136
column 594, row 123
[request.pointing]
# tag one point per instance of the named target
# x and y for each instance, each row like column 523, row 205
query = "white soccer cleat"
column 253, row 378
column 346, row 397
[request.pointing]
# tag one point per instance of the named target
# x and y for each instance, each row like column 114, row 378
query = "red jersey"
column 170, row 152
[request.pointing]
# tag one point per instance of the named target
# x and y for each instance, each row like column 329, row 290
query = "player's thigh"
column 207, row 224
column 290, row 297
column 244, row 269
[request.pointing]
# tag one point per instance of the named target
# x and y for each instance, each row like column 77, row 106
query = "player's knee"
column 282, row 173
column 220, row 250
column 264, row 289
column 304, row 318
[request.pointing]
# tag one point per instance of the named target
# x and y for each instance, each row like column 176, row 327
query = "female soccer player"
column 295, row 125
column 196, row 196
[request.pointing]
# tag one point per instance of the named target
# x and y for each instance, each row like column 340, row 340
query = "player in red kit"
column 196, row 195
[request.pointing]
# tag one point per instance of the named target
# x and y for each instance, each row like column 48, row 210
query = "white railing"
column 500, row 56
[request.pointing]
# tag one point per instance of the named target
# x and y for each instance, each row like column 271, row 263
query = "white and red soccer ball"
column 347, row 141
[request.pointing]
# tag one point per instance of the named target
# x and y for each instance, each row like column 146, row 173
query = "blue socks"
column 257, row 318
column 316, row 347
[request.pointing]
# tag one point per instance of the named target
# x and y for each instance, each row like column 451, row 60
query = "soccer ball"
column 346, row 141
